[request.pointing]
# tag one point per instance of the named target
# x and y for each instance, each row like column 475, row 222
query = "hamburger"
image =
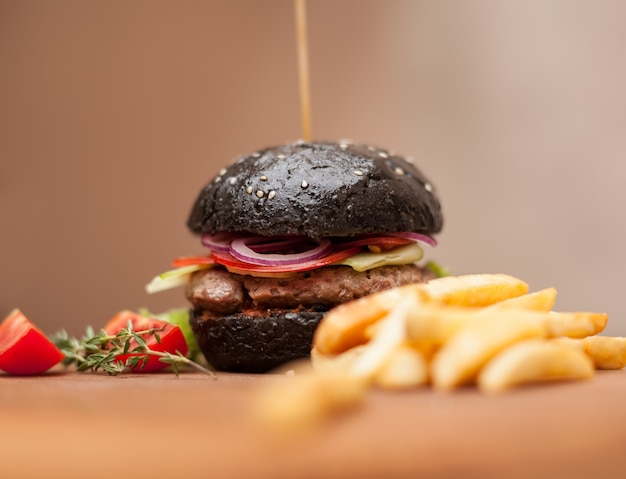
column 292, row 231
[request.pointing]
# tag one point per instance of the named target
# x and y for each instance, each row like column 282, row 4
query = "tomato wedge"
column 172, row 338
column 24, row 349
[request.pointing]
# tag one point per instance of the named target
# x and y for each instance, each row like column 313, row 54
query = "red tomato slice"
column 226, row 259
column 192, row 260
column 24, row 349
column 172, row 338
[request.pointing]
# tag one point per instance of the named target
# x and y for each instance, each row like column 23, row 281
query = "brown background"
column 113, row 114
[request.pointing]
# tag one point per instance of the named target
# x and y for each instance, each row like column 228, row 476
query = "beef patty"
column 217, row 292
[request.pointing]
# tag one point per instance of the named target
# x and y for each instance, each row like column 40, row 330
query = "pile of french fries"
column 485, row 330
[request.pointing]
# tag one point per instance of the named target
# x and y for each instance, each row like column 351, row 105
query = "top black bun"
column 318, row 190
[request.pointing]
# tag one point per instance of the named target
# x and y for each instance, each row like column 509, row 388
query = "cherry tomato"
column 172, row 338
column 24, row 349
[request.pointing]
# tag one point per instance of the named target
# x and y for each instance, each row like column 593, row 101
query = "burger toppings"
column 403, row 255
column 241, row 267
column 260, row 251
column 179, row 276
column 284, row 255
column 297, row 253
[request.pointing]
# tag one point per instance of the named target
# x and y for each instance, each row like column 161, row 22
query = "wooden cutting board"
column 86, row 425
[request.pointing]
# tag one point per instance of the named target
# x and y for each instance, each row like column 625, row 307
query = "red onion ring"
column 387, row 240
column 267, row 245
column 219, row 242
column 417, row 237
column 239, row 249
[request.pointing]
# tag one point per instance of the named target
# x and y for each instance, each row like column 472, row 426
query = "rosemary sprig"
column 100, row 351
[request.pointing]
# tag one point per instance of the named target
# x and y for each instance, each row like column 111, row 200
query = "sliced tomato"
column 171, row 337
column 192, row 260
column 232, row 263
column 24, row 349
column 385, row 242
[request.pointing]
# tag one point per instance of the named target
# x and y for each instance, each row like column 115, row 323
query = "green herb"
column 100, row 351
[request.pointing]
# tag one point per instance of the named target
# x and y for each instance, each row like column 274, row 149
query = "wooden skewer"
column 303, row 68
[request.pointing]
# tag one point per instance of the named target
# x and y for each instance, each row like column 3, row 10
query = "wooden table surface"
column 87, row 425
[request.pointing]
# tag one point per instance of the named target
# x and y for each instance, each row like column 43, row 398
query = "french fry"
column 427, row 349
column 337, row 363
column 300, row 402
column 542, row 300
column 465, row 353
column 606, row 352
column 405, row 368
column 346, row 325
column 437, row 323
column 532, row 361
column 473, row 290
column 570, row 342
column 575, row 325
column 391, row 334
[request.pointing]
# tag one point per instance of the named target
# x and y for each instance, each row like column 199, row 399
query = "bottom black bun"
column 253, row 344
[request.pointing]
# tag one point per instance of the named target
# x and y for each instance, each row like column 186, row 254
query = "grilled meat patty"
column 217, row 292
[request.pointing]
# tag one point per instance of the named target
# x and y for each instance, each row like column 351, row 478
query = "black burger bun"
column 248, row 344
column 318, row 190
